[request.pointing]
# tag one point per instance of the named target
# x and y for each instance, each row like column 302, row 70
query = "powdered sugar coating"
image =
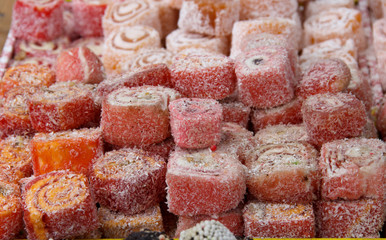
column 352, row 169
column 211, row 182
column 237, row 112
column 195, row 123
column 281, row 134
column 147, row 58
column 88, row 17
column 136, row 177
column 254, row 9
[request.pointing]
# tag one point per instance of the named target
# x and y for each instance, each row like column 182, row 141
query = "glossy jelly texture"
column 11, row 210
column 195, row 123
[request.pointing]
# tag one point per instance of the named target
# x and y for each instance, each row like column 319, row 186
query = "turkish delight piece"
column 195, row 122
column 58, row 205
column 11, row 210
column 151, row 58
column 137, row 116
column 315, row 7
column 62, row 106
column 95, row 44
column 255, row 9
column 283, row 172
column 330, row 116
column 79, row 64
column 40, row 20
column 119, row 225
column 237, row 112
column 168, row 16
column 136, row 177
column 15, row 160
column 88, row 17
column 264, row 77
column 208, row 229
column 353, row 168
column 349, row 219
column 281, row 134
column 162, row 149
column 204, row 76
column 211, row 182
column 24, row 49
column 74, row 150
column 278, row 220
column 210, row 17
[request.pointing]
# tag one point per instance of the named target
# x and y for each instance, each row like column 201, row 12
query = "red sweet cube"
column 38, row 20
column 353, row 168
column 330, row 116
column 265, row 78
column 137, row 179
column 210, row 182
column 58, row 205
column 88, row 17
column 278, row 220
column 283, row 172
column 195, row 122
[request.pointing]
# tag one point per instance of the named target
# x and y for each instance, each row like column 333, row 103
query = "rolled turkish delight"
column 282, row 134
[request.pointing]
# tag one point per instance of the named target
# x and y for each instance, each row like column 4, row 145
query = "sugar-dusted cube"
column 79, row 64
column 11, row 210
column 137, row 116
column 195, row 122
column 283, row 172
column 62, row 106
column 278, row 220
column 331, row 116
column 88, row 17
column 204, row 76
column 315, row 7
column 352, row 169
column 233, row 220
column 235, row 111
column 281, row 134
column 137, row 178
column 179, row 40
column 349, row 219
column 210, row 17
column 343, row 23
column 289, row 113
column 38, row 20
column 210, row 182
column 15, row 158
column 119, row 225
column 264, row 77
column 322, row 76
column 58, row 205
column 267, row 8
column 74, row 150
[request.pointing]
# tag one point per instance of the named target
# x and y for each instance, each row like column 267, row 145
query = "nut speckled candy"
column 136, row 177
column 211, row 182
column 195, row 122
column 330, row 116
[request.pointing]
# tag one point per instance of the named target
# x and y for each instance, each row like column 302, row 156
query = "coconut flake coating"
column 58, row 205
column 204, row 76
column 195, row 122
column 283, row 172
column 137, row 116
column 11, row 210
column 330, row 116
column 209, row 229
column 211, row 182
column 118, row 225
column 264, row 77
column 128, row 180
column 353, row 169
column 278, row 220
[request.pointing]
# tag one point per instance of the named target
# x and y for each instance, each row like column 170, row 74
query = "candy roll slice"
column 11, row 210
column 211, row 182
column 353, row 169
column 60, row 107
column 342, row 23
column 15, row 160
column 24, row 49
column 318, row 6
column 179, row 40
column 131, row 13
column 264, row 77
column 88, row 17
column 137, row 177
column 210, row 17
column 58, row 205
column 118, row 225
column 283, row 172
column 204, row 76
column 95, row 44
column 122, row 44
column 137, row 116
column 40, row 20
column 195, row 123
column 281, row 134
column 149, row 58
column 278, row 220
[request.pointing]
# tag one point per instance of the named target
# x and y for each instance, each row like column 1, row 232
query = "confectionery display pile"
column 193, row 119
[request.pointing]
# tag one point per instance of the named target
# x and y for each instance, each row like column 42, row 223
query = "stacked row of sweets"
column 107, row 116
